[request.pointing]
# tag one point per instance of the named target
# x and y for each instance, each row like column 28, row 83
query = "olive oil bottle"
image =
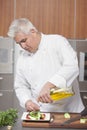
column 58, row 94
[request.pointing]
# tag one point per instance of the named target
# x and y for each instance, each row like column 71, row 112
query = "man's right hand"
column 31, row 106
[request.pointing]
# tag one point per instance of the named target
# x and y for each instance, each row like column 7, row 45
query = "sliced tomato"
column 27, row 116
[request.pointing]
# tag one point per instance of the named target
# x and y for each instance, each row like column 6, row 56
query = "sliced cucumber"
column 67, row 115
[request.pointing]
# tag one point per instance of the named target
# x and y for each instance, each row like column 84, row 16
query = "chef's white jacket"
column 55, row 61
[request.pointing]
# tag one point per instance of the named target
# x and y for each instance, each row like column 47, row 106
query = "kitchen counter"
column 18, row 126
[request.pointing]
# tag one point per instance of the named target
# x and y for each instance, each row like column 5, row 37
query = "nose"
column 23, row 45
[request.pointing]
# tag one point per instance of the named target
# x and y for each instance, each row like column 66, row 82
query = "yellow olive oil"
column 55, row 95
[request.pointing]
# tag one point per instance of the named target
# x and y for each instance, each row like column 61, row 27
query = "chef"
column 46, row 62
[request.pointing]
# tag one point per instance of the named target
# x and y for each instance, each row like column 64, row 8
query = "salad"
column 35, row 115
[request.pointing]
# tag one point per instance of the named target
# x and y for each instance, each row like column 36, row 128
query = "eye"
column 23, row 40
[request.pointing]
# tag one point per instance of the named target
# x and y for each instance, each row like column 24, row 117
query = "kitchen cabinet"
column 6, row 100
column 81, row 48
column 6, row 15
column 65, row 17
column 55, row 16
column 6, row 91
column 84, row 98
column 81, row 19
column 6, row 73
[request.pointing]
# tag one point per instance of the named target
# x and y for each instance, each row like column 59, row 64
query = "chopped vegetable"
column 67, row 115
column 83, row 120
column 35, row 115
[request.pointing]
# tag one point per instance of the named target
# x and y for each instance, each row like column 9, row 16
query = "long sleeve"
column 22, row 87
column 69, row 69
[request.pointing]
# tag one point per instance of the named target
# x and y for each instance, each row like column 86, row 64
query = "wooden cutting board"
column 58, row 119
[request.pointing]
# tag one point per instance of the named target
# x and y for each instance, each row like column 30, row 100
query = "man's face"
column 28, row 42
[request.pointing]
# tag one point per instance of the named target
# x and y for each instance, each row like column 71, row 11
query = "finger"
column 48, row 99
column 45, row 99
column 30, row 108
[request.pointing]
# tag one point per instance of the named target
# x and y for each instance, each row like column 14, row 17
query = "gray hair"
column 20, row 25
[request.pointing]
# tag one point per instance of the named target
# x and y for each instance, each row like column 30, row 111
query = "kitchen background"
column 65, row 17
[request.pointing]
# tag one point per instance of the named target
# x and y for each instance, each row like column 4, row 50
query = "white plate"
column 47, row 117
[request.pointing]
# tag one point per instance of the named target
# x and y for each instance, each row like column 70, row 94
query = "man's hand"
column 31, row 106
column 44, row 95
